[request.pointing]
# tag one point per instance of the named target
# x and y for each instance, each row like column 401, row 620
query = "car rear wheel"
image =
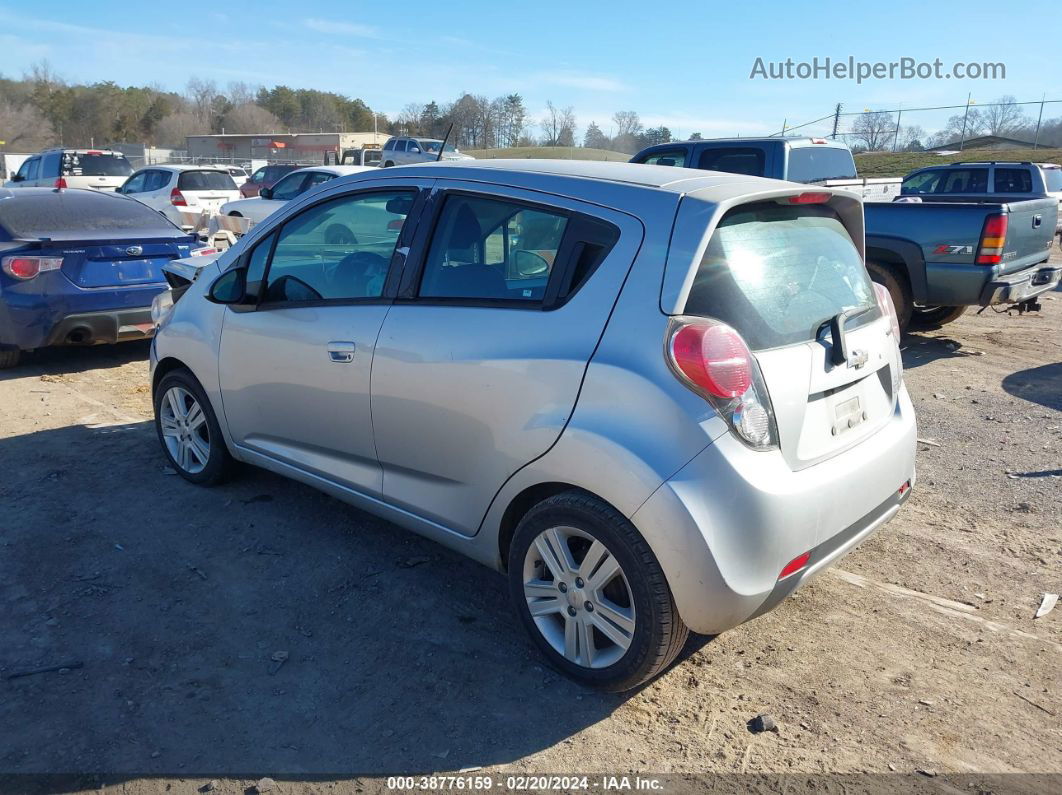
column 898, row 289
column 591, row 594
column 930, row 317
column 235, row 215
column 188, row 430
column 9, row 357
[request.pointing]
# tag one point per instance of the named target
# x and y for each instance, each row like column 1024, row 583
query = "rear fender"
column 905, row 257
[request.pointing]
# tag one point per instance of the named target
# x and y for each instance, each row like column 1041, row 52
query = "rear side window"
column 74, row 212
column 672, row 157
column 744, row 160
column 1053, row 178
column 819, row 162
column 490, row 249
column 205, row 180
column 1013, row 180
column 776, row 273
column 95, row 164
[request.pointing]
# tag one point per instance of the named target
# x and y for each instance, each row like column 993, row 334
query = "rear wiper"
column 839, row 349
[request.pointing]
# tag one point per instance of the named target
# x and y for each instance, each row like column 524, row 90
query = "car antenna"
column 446, row 138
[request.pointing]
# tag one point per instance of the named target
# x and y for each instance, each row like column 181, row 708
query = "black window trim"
column 393, row 268
column 557, row 292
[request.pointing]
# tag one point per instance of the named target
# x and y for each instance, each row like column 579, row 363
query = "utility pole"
column 836, row 120
column 965, row 116
column 896, row 135
column 1039, row 119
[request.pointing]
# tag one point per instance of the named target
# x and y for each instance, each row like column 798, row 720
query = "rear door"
column 778, row 273
column 480, row 360
column 295, row 362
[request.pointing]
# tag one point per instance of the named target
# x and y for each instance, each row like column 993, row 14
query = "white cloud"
column 341, row 28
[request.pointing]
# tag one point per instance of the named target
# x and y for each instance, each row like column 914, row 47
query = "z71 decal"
column 944, row 248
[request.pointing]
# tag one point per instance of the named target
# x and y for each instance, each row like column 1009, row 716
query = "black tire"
column 659, row 633
column 898, row 288
column 931, row 317
column 220, row 464
column 9, row 357
column 388, row 164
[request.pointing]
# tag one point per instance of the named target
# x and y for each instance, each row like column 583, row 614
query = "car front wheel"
column 188, row 430
column 591, row 594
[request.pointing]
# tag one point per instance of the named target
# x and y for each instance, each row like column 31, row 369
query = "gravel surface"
column 262, row 628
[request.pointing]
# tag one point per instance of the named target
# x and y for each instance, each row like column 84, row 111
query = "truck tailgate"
column 1030, row 232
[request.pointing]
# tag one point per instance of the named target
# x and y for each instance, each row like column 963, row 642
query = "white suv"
column 171, row 189
column 98, row 169
column 400, row 151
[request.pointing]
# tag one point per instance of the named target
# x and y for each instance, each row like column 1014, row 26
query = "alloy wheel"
column 185, row 431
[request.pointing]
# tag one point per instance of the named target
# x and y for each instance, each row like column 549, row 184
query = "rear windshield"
column 95, row 165
column 64, row 214
column 1053, row 178
column 205, row 180
column 776, row 273
column 373, row 156
column 273, row 173
column 819, row 162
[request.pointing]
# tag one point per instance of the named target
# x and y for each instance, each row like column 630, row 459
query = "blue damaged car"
column 80, row 267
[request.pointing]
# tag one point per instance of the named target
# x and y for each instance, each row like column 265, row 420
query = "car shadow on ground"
column 77, row 359
column 1041, row 385
column 260, row 627
column 919, row 350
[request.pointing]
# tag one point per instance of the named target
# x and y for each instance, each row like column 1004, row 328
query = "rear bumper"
column 725, row 526
column 1021, row 286
column 120, row 325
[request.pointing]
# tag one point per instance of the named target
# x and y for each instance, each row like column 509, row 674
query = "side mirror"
column 415, row 150
column 266, row 193
column 17, row 178
column 229, row 288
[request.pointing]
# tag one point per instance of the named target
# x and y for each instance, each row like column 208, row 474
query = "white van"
column 99, row 169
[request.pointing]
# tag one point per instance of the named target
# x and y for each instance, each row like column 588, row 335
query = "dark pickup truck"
column 939, row 257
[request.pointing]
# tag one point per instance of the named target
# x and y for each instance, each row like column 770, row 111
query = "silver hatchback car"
column 657, row 400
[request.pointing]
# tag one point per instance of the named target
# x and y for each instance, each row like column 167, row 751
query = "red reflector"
column 989, row 259
column 906, row 487
column 810, row 198
column 714, row 357
column 795, row 565
column 60, row 184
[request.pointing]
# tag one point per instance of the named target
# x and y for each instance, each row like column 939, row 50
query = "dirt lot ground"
column 918, row 652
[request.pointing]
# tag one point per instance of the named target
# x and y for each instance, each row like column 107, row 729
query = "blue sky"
column 685, row 65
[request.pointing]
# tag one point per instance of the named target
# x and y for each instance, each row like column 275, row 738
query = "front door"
column 295, row 367
column 480, row 361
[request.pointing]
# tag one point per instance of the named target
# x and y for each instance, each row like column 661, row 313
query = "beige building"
column 308, row 148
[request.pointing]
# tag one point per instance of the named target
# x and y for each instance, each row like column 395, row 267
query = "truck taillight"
column 713, row 360
column 993, row 238
column 26, row 268
column 177, row 198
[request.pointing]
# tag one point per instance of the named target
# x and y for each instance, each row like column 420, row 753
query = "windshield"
column 432, row 147
column 96, row 164
column 819, row 162
column 64, row 214
column 776, row 273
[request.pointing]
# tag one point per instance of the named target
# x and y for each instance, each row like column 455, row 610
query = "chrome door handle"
column 341, row 352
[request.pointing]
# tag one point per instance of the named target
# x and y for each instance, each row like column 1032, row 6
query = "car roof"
column 178, row 167
column 557, row 175
column 339, row 171
column 804, row 140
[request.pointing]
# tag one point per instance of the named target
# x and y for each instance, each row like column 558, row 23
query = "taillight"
column 713, row 360
column 809, row 197
column 993, row 237
column 177, row 198
column 205, row 251
column 888, row 309
column 25, row 268
column 60, row 183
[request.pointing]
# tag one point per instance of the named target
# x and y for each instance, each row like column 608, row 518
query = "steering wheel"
column 357, row 269
column 338, row 235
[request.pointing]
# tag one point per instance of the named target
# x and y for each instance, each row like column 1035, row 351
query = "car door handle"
column 1037, row 220
column 341, row 352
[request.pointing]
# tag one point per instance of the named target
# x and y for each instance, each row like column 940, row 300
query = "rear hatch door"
column 779, row 273
column 207, row 189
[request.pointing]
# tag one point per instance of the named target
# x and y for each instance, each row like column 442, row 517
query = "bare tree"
column 25, row 129
column 240, row 93
column 875, row 129
column 202, row 94
column 629, row 130
column 1004, row 117
column 250, row 118
column 175, row 128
